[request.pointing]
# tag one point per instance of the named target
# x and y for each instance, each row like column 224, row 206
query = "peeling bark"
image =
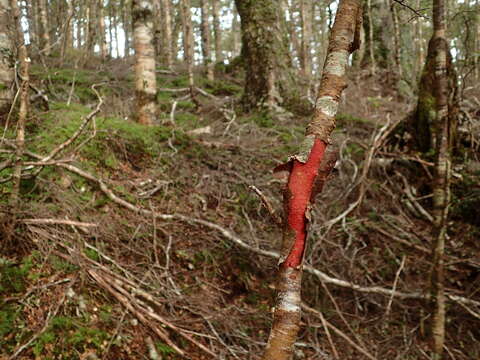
column 145, row 80
column 309, row 170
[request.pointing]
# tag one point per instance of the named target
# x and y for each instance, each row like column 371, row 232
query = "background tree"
column 216, row 9
column 206, row 43
column 44, row 33
column 188, row 41
column 268, row 76
column 6, row 58
column 145, row 80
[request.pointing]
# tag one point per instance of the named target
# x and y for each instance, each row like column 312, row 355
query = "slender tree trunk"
column 6, row 61
column 237, row 41
column 44, row 33
column 79, row 16
column 290, row 26
column 216, row 31
column 419, row 44
column 32, row 28
column 126, row 25
column 308, row 172
column 371, row 47
column 92, row 25
column 67, row 40
column 110, row 28
column 158, row 39
column 306, row 56
column 185, row 8
column 115, row 30
column 205, row 30
column 441, row 190
column 177, row 26
column 323, row 38
column 477, row 40
column 145, row 80
column 396, row 38
column 102, row 30
column 23, row 110
column 167, row 32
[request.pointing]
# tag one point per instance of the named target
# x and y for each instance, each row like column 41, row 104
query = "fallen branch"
column 125, row 302
column 235, row 239
column 57, row 222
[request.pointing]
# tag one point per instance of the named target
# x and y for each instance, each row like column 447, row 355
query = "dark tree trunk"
column 268, row 77
column 421, row 124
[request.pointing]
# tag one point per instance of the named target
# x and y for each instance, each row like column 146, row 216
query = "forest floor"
column 138, row 242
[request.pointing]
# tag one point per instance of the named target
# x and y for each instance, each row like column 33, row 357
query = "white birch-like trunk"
column 145, row 79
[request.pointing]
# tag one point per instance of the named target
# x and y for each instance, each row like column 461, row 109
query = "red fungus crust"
column 300, row 184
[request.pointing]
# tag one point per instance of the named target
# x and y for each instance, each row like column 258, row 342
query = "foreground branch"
column 309, row 169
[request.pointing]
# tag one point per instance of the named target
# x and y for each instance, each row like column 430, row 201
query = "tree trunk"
column 79, row 17
column 441, row 188
column 477, row 40
column 419, row 44
column 237, row 41
column 268, row 75
column 308, row 172
column 186, row 16
column 397, row 44
column 167, row 32
column 115, row 31
column 176, row 29
column 422, row 124
column 216, row 31
column 145, row 80
column 23, row 110
column 370, row 39
column 44, row 29
column 306, row 56
column 32, row 26
column 6, row 59
column 102, row 30
column 205, row 31
column 290, row 26
column 68, row 39
column 126, row 25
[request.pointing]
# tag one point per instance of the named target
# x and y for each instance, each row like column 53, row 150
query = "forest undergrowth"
column 160, row 242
